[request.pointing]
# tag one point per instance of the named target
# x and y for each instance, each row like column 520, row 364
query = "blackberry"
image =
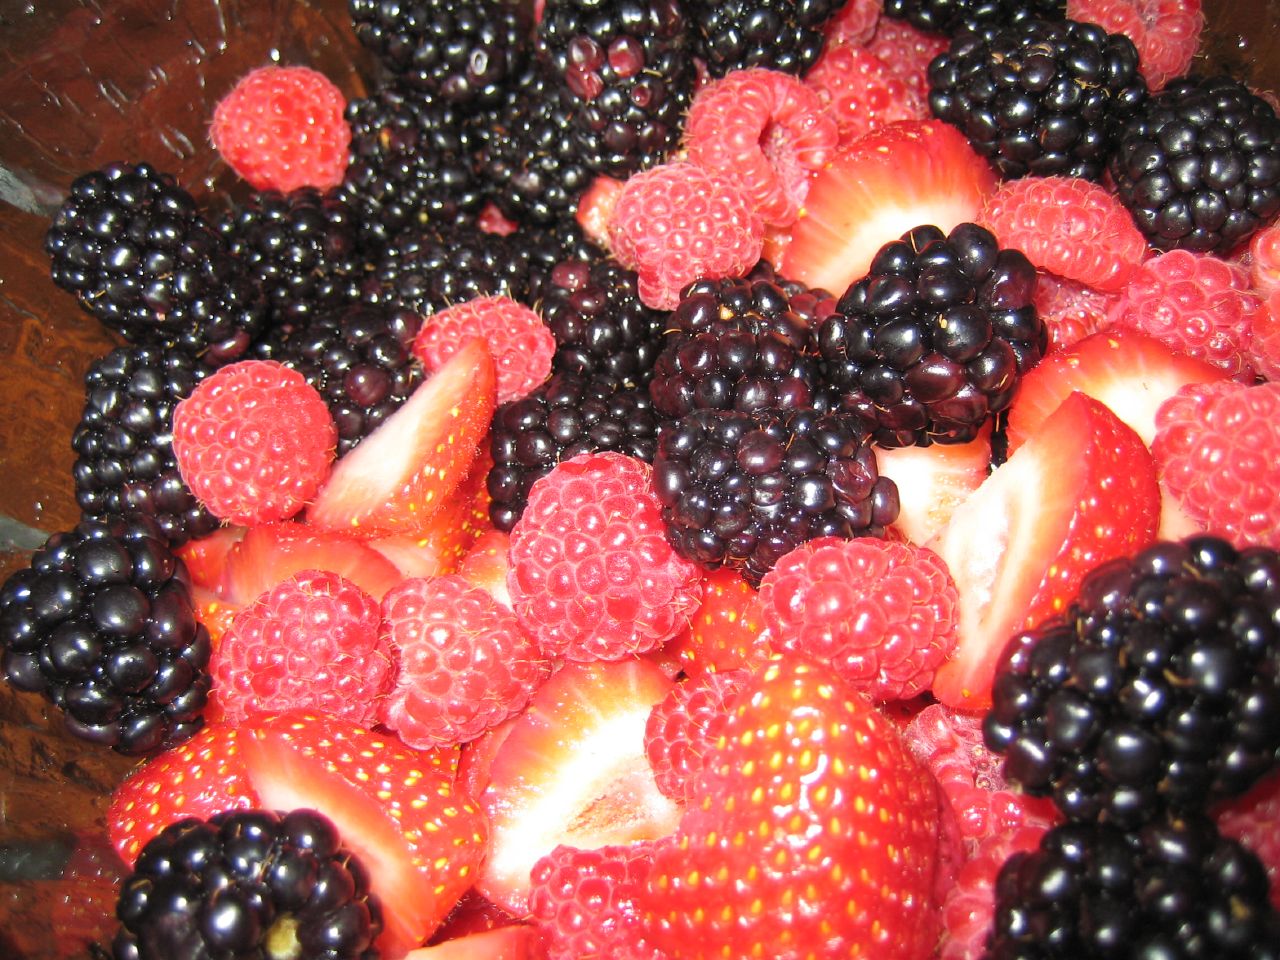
column 463, row 51
column 548, row 246
column 248, row 883
column 1158, row 687
column 101, row 623
column 567, row 415
column 136, row 252
column 124, row 441
column 742, row 489
column 1199, row 165
column 935, row 339
column 951, row 16
column 1173, row 888
column 629, row 67
column 1038, row 96
column 784, row 35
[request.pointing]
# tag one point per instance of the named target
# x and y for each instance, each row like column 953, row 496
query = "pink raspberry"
column 1067, row 226
column 766, row 130
column 907, row 51
column 520, row 343
column 1216, row 446
column 1196, row 303
column 1071, row 310
column 1264, row 260
column 1166, row 32
column 883, row 614
column 309, row 643
column 1264, row 346
column 254, row 442
column 677, row 223
column 862, row 92
column 684, row 726
column 855, row 23
column 465, row 663
column 1252, row 820
column 592, row 574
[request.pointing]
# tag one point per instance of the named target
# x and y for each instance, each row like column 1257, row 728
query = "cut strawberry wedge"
column 1079, row 492
column 206, row 557
column 932, row 481
column 889, row 181
column 506, row 943
column 396, row 479
column 572, row 770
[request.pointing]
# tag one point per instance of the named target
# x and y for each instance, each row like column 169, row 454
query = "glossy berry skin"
column 784, row 35
column 952, row 16
column 1166, row 32
column 683, row 729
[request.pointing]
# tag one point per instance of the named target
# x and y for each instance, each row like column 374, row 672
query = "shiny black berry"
column 951, row 16
column 784, row 35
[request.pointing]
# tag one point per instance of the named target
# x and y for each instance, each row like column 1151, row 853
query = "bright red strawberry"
column 311, row 642
column 282, row 128
column 907, row 50
column 397, row 478
column 420, row 837
column 882, row 615
column 514, row 942
column 854, row 24
column 1068, row 226
column 884, row 184
column 684, row 726
column 519, row 342
column 487, row 564
column 1166, row 32
column 592, row 574
column 932, row 481
column 206, row 557
column 1252, row 819
column 572, row 770
column 198, row 778
column 862, row 92
column 1071, row 310
column 727, row 630
column 1080, row 490
column 254, row 441
column 811, row 803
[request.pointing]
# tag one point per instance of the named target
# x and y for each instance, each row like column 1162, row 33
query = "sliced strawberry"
column 1081, row 491
column 421, row 839
column 516, row 942
column 206, row 557
column 727, row 632
column 487, row 563
column 932, row 481
column 572, row 770
column 892, row 180
column 397, row 478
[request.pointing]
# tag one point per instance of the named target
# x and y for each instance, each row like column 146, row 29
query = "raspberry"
column 519, row 341
column 309, row 643
column 684, row 726
column 254, row 442
column 727, row 632
column 1215, row 448
column 766, row 130
column 678, row 223
column 465, row 663
column 1068, row 226
column 883, row 614
column 1196, row 304
column 1264, row 345
column 1166, row 32
column 862, row 92
column 908, row 51
column 1071, row 310
column 1264, row 260
column 854, row 24
column 282, row 128
column 1251, row 819
column 592, row 575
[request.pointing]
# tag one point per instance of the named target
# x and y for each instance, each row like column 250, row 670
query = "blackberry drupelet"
column 124, row 441
column 784, row 35
column 740, row 490
column 548, row 246
column 136, row 252
column 629, row 67
column 1037, row 96
column 463, row 51
column 1172, row 888
column 1157, row 688
column 248, row 884
column 951, row 16
column 101, row 623
column 567, row 415
column 1199, row 165
column 935, row 339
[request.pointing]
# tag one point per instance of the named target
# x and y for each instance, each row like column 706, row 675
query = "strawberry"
column 572, row 770
column 595, row 207
column 1079, row 491
column 810, row 803
column 206, row 557
column 487, row 564
column 882, row 185
column 726, row 632
column 513, row 942
column 397, row 478
column 932, row 481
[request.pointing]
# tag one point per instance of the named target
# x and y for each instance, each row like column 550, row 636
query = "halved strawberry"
column 889, row 181
column 206, row 557
column 1081, row 491
column 932, row 481
column 396, row 479
column 572, row 770
column 516, row 942
column 487, row 563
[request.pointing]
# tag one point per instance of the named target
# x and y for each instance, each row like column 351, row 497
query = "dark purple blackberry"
column 629, row 67
column 1173, row 888
column 1158, row 687
column 1038, row 96
column 951, row 16
column 1199, row 165
column 740, row 490
column 548, row 246
column 784, row 35
column 136, row 252
column 124, row 441
column 567, row 415
column 360, row 359
column 410, row 165
column 936, row 338
column 101, row 624
column 248, row 884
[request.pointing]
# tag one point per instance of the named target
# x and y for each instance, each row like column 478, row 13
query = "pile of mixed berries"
column 673, row 479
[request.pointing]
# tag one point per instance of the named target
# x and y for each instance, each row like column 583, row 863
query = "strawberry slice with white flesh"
column 516, row 942
column 1079, row 492
column 572, row 770
column 396, row 479
column 932, row 481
